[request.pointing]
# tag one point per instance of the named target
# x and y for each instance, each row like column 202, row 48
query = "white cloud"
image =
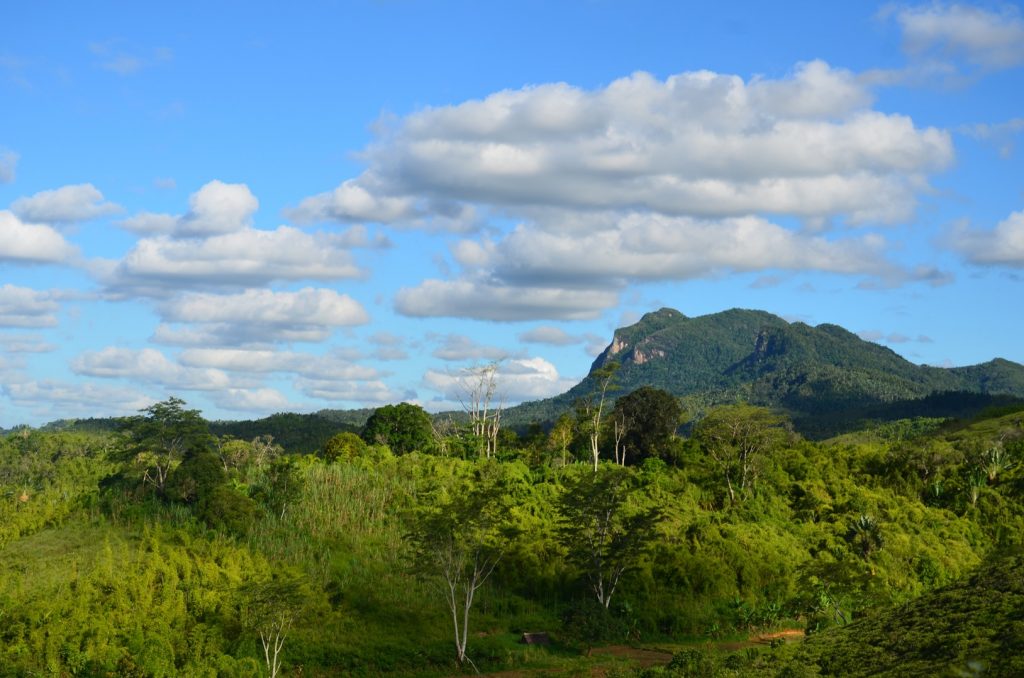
column 498, row 301
column 25, row 307
column 218, row 208
column 57, row 399
column 517, row 380
column 352, row 202
column 149, row 223
column 362, row 393
column 986, row 38
column 698, row 144
column 79, row 202
column 263, row 361
column 261, row 316
column 148, row 366
column 550, row 270
column 654, row 247
column 260, row 400
column 550, row 335
column 160, row 265
column 1001, row 246
column 25, row 343
column 8, row 165
column 32, row 243
column 461, row 347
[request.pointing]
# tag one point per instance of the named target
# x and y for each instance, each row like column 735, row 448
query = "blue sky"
column 262, row 207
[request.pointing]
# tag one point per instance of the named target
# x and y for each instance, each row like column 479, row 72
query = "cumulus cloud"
column 217, row 208
column 50, row 398
column 460, row 347
column 148, row 366
column 699, row 144
column 8, row 165
column 160, row 265
column 988, row 38
column 258, row 316
column 363, row 393
column 550, row 335
column 1001, row 246
column 517, row 380
column 261, row 400
column 499, row 301
column 25, row 343
column 263, row 361
column 25, row 307
column 79, row 202
column 32, row 243
column 549, row 270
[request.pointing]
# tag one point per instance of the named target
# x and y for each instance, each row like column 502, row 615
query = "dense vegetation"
column 827, row 379
column 160, row 548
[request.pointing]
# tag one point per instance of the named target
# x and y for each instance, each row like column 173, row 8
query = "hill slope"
column 973, row 627
column 815, row 373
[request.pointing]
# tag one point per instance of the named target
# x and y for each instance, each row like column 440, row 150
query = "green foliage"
column 100, row 578
column 827, row 379
column 404, row 428
column 345, row 446
column 975, row 622
column 650, row 417
column 601, row 526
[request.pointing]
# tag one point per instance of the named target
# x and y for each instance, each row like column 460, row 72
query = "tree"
column 344, row 446
column 480, row 386
column 271, row 608
column 591, row 409
column 162, row 435
column 865, row 536
column 736, row 438
column 458, row 541
column 601, row 529
column 404, row 428
column 645, row 420
column 561, row 436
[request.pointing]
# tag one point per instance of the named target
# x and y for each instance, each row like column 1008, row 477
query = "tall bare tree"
column 481, row 400
column 590, row 410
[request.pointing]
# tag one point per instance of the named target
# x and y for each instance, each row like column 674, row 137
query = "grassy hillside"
column 103, row 573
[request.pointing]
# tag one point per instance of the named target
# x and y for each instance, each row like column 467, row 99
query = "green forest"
column 721, row 543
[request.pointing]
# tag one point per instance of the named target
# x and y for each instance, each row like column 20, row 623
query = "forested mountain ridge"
column 816, row 374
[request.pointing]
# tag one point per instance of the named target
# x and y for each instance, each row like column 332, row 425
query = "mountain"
column 825, row 377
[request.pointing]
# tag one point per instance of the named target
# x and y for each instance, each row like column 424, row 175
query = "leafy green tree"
column 865, row 536
column 737, row 438
column 271, row 608
column 196, row 476
column 602, row 530
column 561, row 436
column 458, row 540
column 649, row 417
column 404, row 428
column 344, row 446
column 160, row 437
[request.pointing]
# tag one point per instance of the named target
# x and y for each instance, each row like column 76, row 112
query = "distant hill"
column 825, row 377
column 297, row 433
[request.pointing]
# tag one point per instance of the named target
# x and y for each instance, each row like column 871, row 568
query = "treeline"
column 415, row 545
